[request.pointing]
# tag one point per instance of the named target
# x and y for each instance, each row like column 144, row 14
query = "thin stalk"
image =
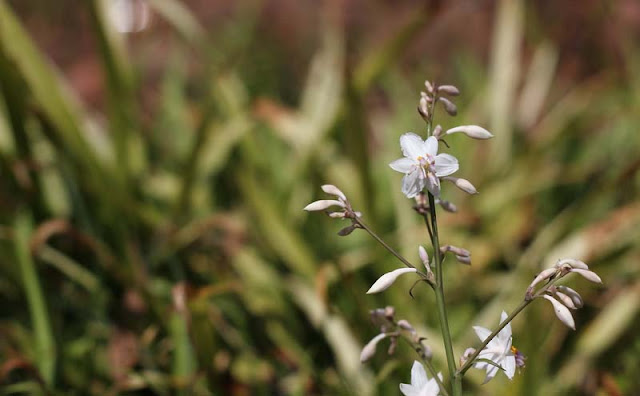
column 442, row 310
column 502, row 325
column 384, row 244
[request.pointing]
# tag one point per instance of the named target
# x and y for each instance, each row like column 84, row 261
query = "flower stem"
column 442, row 310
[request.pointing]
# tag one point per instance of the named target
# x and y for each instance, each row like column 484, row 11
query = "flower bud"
column 429, row 87
column 337, row 215
column 564, row 299
column 573, row 263
column 463, row 184
column 588, row 275
column 562, row 312
column 473, row 131
column 437, row 132
column 449, row 107
column 333, row 190
column 449, row 90
column 322, row 205
column 387, row 280
column 572, row 294
column 545, row 274
column 466, row 355
column 347, row 230
column 423, row 107
column 448, row 206
column 370, row 349
column 424, row 257
column 405, row 325
column 463, row 259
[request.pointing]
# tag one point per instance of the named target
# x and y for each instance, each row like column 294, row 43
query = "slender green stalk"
column 383, row 243
column 442, row 310
column 44, row 344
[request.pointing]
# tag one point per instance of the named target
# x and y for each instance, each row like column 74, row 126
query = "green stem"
column 383, row 243
column 442, row 310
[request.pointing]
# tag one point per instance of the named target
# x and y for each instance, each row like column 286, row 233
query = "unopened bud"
column 588, row 275
column 427, row 353
column 572, row 294
column 562, row 312
column 473, row 131
column 448, row 206
column 337, row 215
column 424, row 257
column 405, row 325
column 563, row 298
column 449, row 107
column 437, row 132
column 369, row 350
column 428, row 85
column 449, row 90
column 464, row 259
column 322, row 205
column 466, row 355
column 333, row 190
column 423, row 108
column 545, row 274
column 463, row 184
column 421, row 199
column 573, row 263
column 347, row 230
column 389, row 312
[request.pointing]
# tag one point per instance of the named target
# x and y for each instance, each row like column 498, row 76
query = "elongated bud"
column 333, row 190
column 337, row 215
column 545, row 274
column 387, row 280
column 562, row 312
column 437, row 132
column 449, row 107
column 423, row 107
column 455, row 250
column 449, row 90
column 428, row 85
column 347, row 230
column 405, row 325
column 466, row 355
column 588, row 275
column 473, row 131
column 573, row 263
column 448, row 206
column 323, row 204
column 463, row 184
column 464, row 259
column 572, row 294
column 424, row 257
column 369, row 350
column 564, row 299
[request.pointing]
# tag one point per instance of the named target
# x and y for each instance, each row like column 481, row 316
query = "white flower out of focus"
column 422, row 165
column 499, row 351
column 421, row 385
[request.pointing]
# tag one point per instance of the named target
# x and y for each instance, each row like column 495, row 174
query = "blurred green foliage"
column 161, row 248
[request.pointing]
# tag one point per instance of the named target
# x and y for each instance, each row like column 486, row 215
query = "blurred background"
column 155, row 157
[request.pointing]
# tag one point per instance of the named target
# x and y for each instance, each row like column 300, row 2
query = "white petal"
column 412, row 145
column 482, row 332
column 445, row 165
column 333, row 190
column 509, row 366
column 408, row 390
column 433, row 184
column 564, row 299
column 412, row 184
column 387, row 280
column 322, row 205
column 473, row 131
column 418, row 375
column 370, row 349
column 431, row 389
column 505, row 333
column 403, row 165
column 562, row 312
column 491, row 372
column 573, row 295
column 431, row 146
column 589, row 275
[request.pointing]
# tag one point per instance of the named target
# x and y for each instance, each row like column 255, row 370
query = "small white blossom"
column 323, row 204
column 422, row 165
column 562, row 312
column 421, row 385
column 498, row 350
column 387, row 280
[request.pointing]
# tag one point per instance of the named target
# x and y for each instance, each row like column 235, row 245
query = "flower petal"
column 482, row 332
column 445, row 164
column 408, row 390
column 403, row 165
column 589, row 275
column 509, row 366
column 333, row 190
column 505, row 334
column 387, row 280
column 433, row 184
column 431, row 146
column 412, row 183
column 412, row 145
column 418, row 375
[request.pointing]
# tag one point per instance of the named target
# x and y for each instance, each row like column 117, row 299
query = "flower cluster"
column 562, row 298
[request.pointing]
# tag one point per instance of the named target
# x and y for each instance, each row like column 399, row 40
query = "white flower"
column 421, row 385
column 562, row 312
column 387, row 280
column 422, row 165
column 499, row 351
